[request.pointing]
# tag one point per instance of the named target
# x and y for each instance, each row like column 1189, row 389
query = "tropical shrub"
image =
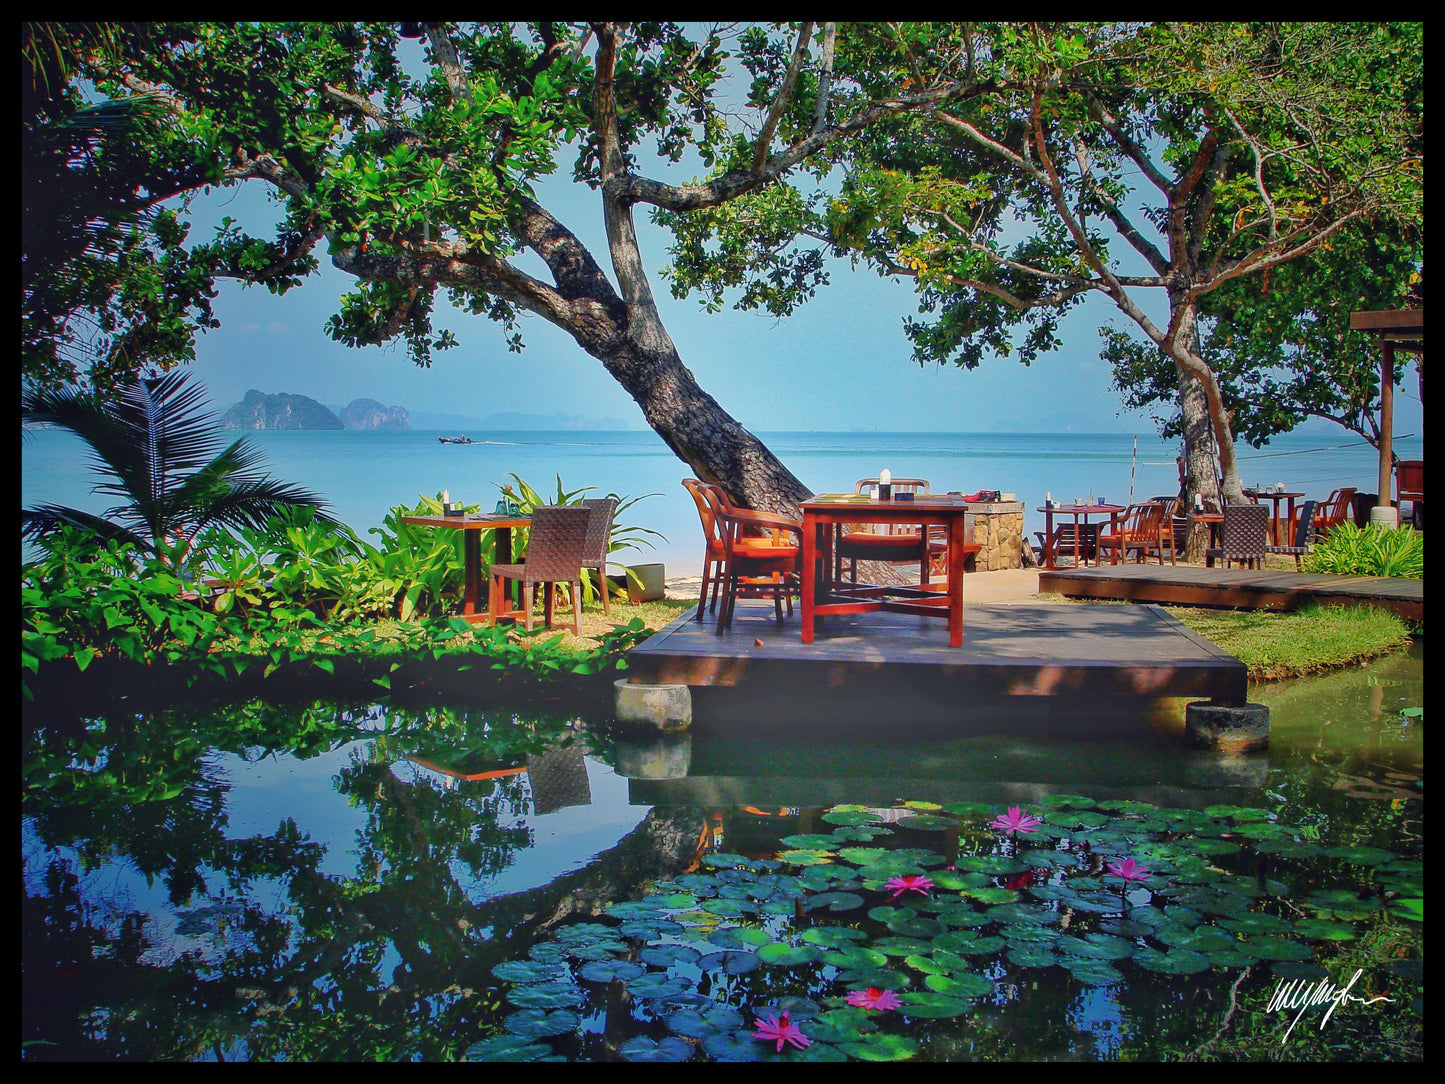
column 1375, row 550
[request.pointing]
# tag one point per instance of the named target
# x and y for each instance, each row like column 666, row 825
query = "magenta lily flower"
column 901, row 885
column 874, row 998
column 1015, row 820
column 1129, row 870
column 783, row 1030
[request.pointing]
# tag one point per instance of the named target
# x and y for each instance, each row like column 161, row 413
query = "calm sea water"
column 363, row 474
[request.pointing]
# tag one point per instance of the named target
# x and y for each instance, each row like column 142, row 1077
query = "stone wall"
column 999, row 528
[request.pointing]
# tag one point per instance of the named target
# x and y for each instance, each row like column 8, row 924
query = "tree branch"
column 775, row 111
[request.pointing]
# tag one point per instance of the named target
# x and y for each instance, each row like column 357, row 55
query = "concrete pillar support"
column 667, row 709
column 1227, row 728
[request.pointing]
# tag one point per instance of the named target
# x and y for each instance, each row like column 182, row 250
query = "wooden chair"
column 1337, row 508
column 1244, row 538
column 1301, row 531
column 712, row 501
column 1062, row 542
column 556, row 544
column 1178, row 518
column 1410, row 486
column 599, row 538
column 887, row 543
column 762, row 553
column 1147, row 529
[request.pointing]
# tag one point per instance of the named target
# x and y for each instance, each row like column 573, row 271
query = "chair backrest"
column 1336, row 508
column 599, row 529
column 1304, row 525
column 1246, row 531
column 710, row 527
column 1410, row 480
column 900, row 485
column 556, row 541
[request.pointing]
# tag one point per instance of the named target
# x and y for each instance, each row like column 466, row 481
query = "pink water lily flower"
column 783, row 1030
column 1015, row 820
column 874, row 998
column 1129, row 870
column 901, row 885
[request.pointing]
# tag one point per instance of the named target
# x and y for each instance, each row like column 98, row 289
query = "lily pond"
column 393, row 882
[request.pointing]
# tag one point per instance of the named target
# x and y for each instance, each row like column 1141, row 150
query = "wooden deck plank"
column 1008, row 650
column 1239, row 588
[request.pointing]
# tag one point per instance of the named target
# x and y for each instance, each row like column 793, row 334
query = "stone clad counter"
column 998, row 527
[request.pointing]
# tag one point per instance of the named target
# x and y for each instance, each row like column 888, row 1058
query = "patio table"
column 472, row 526
column 1277, row 528
column 824, row 515
column 1081, row 513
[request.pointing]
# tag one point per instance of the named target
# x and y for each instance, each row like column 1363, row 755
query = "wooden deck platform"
column 1237, row 588
column 1084, row 654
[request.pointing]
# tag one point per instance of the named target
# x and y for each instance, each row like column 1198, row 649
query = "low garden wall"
column 998, row 527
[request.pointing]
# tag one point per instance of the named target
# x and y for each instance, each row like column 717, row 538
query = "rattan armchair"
column 555, row 547
column 1245, row 537
column 1301, row 531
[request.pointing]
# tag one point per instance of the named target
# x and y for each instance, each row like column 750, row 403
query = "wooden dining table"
column 472, row 526
column 823, row 594
column 1081, row 514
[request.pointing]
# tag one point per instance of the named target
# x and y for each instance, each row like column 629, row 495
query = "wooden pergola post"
column 1394, row 329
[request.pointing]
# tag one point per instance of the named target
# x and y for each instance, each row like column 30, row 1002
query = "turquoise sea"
column 364, row 473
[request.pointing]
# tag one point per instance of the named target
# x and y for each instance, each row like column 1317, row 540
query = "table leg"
column 955, row 581
column 809, row 586
column 1077, row 551
column 472, row 571
column 1049, row 554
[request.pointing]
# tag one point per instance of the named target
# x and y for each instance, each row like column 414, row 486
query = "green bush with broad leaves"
column 1376, row 550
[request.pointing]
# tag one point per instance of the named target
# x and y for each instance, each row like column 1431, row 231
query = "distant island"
column 516, row 421
column 284, row 410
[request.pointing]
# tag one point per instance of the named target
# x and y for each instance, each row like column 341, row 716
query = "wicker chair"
column 887, row 543
column 1148, row 530
column 599, row 537
column 1245, row 536
column 753, row 563
column 1301, row 531
column 555, row 548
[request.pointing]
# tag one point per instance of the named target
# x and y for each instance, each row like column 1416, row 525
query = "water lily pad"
column 545, row 995
column 1207, row 939
column 730, row 962
column 806, row 857
column 1361, row 856
column 853, row 815
column 1274, row 948
column 526, row 971
column 938, row 962
column 669, row 955
column 885, row 978
column 900, row 946
column 1024, row 934
column 1174, row 962
column 538, row 1023
column 740, row 937
column 1340, row 900
column 881, row 1047
column 781, row 955
column 833, row 936
column 1215, row 846
column 1124, row 805
column 854, row 957
column 810, row 841
column 1092, row 946
column 973, row 946
column 1091, row 972
column 587, row 933
column 836, row 902
column 734, row 1046
column 728, row 908
column 1304, row 970
column 639, row 929
column 925, row 928
column 654, row 984
column 726, row 860
column 842, row 1024
column 932, row 1005
column 1229, row 958
column 1289, row 848
column 991, row 863
column 1255, row 922
column 991, row 895
column 926, row 823
column 642, row 1048
column 634, row 909
column 1031, row 955
column 610, row 970
column 1319, row 929
column 964, row 984
column 1023, row 912
column 507, row 1048
column 1063, row 801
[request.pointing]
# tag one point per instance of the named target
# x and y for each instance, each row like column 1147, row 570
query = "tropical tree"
column 160, row 454
column 1135, row 162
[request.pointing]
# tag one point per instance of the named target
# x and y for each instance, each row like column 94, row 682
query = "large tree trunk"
column 1201, row 476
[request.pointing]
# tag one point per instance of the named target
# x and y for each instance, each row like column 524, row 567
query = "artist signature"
column 1297, row 994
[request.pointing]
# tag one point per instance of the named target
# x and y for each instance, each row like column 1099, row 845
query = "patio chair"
column 712, row 500
column 1244, row 538
column 1337, row 508
column 887, row 543
column 1301, row 530
column 556, row 544
column 1410, row 486
column 1147, row 530
column 1062, row 542
column 1179, row 519
column 766, row 563
column 599, row 536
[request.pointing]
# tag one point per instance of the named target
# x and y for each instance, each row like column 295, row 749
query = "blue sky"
column 840, row 362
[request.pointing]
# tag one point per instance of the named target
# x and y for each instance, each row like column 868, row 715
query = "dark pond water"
column 374, row 882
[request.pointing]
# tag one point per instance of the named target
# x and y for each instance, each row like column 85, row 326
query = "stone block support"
column 1227, row 728
column 666, row 709
column 998, row 528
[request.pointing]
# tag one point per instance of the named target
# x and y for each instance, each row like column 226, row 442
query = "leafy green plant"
column 1375, row 550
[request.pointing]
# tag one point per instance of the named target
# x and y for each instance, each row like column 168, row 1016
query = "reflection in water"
column 197, row 889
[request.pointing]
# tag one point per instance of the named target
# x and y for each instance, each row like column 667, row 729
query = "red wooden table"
column 1079, row 512
column 472, row 527
column 822, row 595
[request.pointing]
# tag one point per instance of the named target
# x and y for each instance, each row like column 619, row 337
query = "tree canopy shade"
column 925, row 149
